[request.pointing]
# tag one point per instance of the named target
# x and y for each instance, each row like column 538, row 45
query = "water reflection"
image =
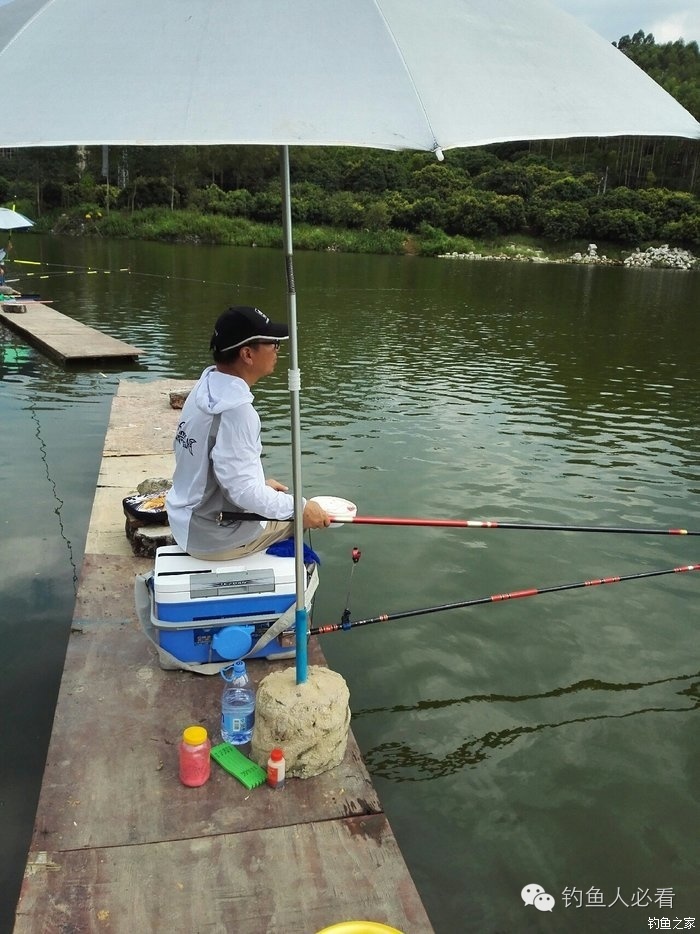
column 403, row 762
column 16, row 359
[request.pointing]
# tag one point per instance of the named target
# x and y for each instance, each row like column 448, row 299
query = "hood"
column 217, row 392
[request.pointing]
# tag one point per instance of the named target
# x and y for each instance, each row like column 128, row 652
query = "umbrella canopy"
column 392, row 74
column 13, row 220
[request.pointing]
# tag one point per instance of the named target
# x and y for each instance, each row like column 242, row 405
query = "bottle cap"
column 276, row 755
column 194, row 735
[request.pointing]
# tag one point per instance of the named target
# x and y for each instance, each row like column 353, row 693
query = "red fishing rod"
column 498, row 598
column 343, row 512
column 491, row 524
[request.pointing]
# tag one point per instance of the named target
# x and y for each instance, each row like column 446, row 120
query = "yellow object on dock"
column 61, row 337
column 359, row 927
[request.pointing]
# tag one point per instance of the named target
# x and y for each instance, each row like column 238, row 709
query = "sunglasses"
column 275, row 344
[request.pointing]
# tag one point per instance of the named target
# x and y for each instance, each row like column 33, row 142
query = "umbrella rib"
column 436, row 148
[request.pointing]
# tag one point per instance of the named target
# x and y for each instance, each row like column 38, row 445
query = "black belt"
column 238, row 516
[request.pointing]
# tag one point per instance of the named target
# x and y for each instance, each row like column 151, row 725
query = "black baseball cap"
column 242, row 324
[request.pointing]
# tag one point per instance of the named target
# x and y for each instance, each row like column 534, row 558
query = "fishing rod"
column 65, row 270
column 496, row 598
column 71, row 267
column 490, row 524
column 343, row 512
column 68, row 270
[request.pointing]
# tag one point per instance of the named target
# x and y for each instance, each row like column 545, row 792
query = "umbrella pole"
column 301, row 620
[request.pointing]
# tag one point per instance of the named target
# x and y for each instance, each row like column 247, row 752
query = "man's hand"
column 315, row 517
column 276, row 485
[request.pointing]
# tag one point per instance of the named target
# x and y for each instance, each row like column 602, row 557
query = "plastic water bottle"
column 237, row 705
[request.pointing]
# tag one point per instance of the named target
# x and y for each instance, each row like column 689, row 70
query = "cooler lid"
column 177, row 572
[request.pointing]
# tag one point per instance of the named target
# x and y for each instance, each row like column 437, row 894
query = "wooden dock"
column 62, row 337
column 119, row 845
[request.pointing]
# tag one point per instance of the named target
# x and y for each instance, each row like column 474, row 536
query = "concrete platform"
column 119, row 844
column 62, row 337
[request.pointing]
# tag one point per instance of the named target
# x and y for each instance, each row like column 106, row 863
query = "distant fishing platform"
column 119, row 843
column 59, row 336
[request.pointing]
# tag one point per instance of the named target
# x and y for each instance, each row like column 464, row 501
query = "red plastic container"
column 195, row 763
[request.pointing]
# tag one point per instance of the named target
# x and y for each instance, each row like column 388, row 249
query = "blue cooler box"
column 210, row 611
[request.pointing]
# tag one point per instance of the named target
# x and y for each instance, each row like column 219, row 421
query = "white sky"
column 667, row 20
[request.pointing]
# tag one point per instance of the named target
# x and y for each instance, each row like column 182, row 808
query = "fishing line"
column 76, row 270
column 497, row 598
column 57, row 499
column 356, row 554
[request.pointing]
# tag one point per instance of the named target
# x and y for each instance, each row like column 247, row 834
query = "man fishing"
column 219, row 476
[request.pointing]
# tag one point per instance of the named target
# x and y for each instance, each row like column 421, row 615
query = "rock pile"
column 591, row 257
column 655, row 256
column 497, row 257
column 663, row 257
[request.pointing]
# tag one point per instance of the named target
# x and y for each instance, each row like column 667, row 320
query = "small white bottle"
column 276, row 769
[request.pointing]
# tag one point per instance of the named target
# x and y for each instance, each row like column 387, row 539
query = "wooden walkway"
column 62, row 337
column 119, row 844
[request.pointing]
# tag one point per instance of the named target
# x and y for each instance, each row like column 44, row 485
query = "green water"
column 549, row 740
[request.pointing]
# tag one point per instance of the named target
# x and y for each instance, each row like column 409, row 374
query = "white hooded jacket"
column 218, row 468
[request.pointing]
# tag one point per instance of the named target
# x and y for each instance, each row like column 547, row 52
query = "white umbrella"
column 393, row 74
column 13, row 220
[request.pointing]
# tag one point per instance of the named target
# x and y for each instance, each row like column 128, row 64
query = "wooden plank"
column 119, row 844
column 64, row 338
column 146, row 428
column 287, row 880
column 111, row 770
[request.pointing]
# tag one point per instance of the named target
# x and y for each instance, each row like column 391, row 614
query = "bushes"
column 308, row 203
column 685, row 231
column 507, row 179
column 434, row 242
column 484, row 214
column 563, row 221
column 267, row 206
column 621, row 225
column 212, row 200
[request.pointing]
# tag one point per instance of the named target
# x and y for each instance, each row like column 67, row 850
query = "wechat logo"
column 535, row 895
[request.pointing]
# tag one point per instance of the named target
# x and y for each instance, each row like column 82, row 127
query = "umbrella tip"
column 439, row 154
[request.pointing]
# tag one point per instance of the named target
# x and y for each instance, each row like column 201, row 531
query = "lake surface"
column 548, row 741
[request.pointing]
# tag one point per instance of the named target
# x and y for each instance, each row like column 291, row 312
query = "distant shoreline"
column 663, row 257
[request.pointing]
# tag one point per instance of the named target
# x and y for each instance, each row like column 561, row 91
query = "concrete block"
column 309, row 721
